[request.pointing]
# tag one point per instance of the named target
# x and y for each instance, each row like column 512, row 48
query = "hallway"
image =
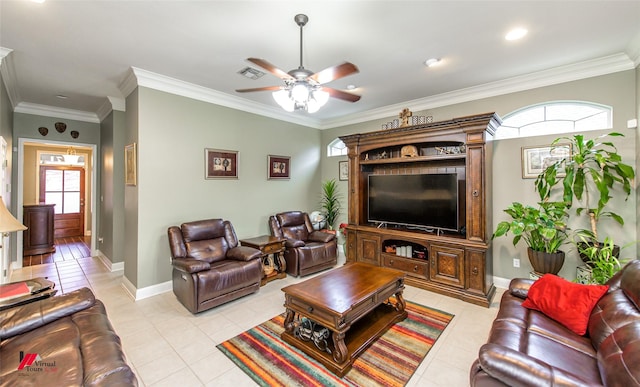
column 67, row 249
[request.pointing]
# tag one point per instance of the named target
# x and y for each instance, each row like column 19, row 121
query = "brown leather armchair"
column 209, row 268
column 307, row 250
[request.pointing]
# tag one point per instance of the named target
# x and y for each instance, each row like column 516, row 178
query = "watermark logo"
column 28, row 360
column 32, row 362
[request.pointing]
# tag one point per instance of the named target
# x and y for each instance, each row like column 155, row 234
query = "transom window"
column 336, row 148
column 555, row 118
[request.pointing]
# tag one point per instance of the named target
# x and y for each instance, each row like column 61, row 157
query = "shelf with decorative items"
column 415, row 153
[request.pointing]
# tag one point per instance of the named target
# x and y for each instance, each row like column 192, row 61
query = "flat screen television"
column 425, row 201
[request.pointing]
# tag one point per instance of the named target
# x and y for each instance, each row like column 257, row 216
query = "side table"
column 273, row 263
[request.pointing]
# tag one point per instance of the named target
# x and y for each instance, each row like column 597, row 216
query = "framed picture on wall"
column 343, row 170
column 130, row 164
column 278, row 167
column 220, row 164
column 537, row 159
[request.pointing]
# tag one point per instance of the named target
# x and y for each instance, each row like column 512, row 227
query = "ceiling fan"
column 303, row 89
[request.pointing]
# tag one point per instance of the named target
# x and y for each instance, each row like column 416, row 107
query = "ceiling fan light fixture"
column 304, row 89
column 318, row 99
column 321, row 96
column 283, row 98
column 300, row 92
column 313, row 106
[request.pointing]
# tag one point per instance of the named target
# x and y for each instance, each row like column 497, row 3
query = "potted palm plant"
column 543, row 229
column 593, row 173
column 330, row 202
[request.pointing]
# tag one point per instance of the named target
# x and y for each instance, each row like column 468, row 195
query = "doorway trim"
column 20, row 194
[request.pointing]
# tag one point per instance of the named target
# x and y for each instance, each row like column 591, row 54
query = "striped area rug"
column 389, row 361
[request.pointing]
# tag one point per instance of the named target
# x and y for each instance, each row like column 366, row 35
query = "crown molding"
column 139, row 77
column 129, row 83
column 587, row 69
column 109, row 105
column 118, row 104
column 50, row 111
column 160, row 82
column 7, row 69
column 633, row 50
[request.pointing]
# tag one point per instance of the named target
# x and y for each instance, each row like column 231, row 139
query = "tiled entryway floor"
column 169, row 346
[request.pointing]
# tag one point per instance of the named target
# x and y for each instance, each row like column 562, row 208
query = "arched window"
column 336, row 148
column 555, row 118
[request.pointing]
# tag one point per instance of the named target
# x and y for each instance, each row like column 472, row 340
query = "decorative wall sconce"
column 75, row 133
column 60, row 127
column 43, row 131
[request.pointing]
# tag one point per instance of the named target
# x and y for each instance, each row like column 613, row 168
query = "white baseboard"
column 107, row 262
column 149, row 291
column 500, row 282
column 154, row 290
column 129, row 288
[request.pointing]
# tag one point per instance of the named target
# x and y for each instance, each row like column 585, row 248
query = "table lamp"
column 8, row 223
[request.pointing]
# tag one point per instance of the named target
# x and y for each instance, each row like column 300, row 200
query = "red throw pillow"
column 568, row 303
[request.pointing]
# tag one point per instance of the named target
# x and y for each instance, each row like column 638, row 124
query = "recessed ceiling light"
column 516, row 33
column 432, row 62
column 351, row 87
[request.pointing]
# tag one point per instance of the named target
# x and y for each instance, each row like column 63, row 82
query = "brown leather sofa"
column 209, row 267
column 526, row 348
column 307, row 250
column 61, row 341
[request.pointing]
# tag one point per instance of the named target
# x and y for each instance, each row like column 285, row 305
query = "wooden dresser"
column 38, row 237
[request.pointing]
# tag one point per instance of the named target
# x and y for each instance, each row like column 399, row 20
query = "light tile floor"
column 168, row 346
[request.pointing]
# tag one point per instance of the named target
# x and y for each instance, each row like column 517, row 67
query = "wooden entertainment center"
column 457, row 264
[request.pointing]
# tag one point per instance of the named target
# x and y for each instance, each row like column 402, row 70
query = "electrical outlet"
column 516, row 262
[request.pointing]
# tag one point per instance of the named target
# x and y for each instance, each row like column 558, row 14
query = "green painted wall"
column 637, row 148
column 111, row 199
column 172, row 134
column 130, row 203
column 6, row 131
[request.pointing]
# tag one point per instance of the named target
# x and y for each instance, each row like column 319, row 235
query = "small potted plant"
column 602, row 259
column 330, row 202
column 543, row 230
column 593, row 168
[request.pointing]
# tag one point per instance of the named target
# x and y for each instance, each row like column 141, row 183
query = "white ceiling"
column 86, row 50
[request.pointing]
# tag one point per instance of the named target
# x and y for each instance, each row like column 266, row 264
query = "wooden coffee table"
column 352, row 303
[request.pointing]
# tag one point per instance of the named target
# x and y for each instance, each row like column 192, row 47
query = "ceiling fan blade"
column 343, row 95
column 270, row 68
column 266, row 88
column 334, row 72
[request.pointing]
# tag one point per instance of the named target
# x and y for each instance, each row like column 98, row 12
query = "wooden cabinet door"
column 368, row 248
column 476, row 281
column 350, row 246
column 447, row 265
column 38, row 237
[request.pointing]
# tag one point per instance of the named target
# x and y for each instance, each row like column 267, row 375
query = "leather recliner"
column 73, row 338
column 209, row 267
column 307, row 250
